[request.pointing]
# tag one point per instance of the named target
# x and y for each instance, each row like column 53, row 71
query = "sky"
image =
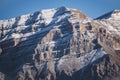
column 92, row 8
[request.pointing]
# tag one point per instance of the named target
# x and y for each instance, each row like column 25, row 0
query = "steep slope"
column 110, row 29
column 53, row 44
column 108, row 67
column 111, row 21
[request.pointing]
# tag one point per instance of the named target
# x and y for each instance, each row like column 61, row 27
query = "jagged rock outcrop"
column 104, row 69
column 57, row 44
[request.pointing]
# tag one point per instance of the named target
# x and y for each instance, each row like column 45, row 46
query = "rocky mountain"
column 60, row 44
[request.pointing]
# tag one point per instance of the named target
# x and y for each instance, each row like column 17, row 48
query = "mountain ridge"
column 58, row 44
column 109, row 14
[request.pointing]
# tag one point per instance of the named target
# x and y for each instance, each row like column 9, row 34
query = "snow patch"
column 16, row 35
column 48, row 15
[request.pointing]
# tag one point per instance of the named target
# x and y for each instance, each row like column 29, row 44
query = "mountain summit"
column 113, row 14
column 60, row 44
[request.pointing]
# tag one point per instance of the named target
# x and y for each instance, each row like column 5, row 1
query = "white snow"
column 108, row 26
column 112, row 22
column 86, row 20
column 23, row 19
column 91, row 57
column 16, row 35
column 48, row 15
column 52, row 43
column 84, row 60
column 63, row 17
column 115, row 15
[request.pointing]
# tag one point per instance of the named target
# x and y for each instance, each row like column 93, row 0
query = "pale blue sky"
column 93, row 8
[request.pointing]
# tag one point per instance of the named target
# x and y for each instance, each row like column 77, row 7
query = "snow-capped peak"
column 115, row 14
column 112, row 21
column 49, row 14
column 51, row 42
column 36, row 22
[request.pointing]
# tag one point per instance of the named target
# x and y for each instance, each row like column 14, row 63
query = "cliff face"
column 57, row 44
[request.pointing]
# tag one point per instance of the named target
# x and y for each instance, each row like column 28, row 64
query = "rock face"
column 103, row 69
column 59, row 44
